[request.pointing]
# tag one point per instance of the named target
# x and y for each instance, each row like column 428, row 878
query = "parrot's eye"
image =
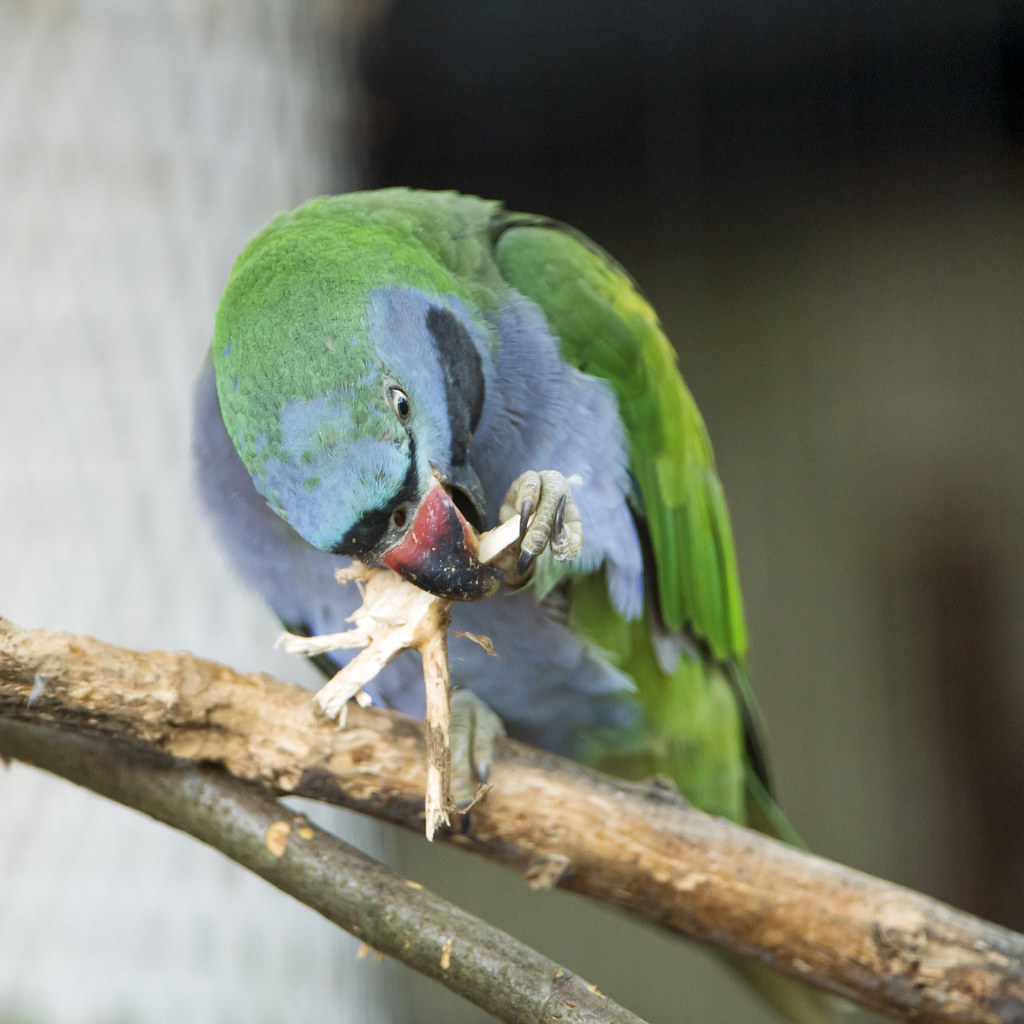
column 399, row 516
column 400, row 403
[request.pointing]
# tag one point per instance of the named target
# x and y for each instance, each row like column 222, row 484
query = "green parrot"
column 393, row 371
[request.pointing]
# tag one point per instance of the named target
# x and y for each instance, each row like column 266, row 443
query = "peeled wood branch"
column 394, row 616
column 637, row 846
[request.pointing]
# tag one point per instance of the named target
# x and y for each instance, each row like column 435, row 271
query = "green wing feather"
column 700, row 717
column 608, row 329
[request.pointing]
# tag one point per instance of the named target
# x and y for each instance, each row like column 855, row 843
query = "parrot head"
column 350, row 389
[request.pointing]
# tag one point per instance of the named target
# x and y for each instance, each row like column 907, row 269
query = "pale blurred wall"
column 140, row 145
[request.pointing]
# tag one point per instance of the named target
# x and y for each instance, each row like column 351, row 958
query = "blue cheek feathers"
column 332, row 471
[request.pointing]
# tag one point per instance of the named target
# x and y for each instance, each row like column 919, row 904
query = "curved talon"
column 559, row 522
column 526, row 560
column 524, row 516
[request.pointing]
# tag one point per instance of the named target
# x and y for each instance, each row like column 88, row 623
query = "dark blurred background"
column 824, row 203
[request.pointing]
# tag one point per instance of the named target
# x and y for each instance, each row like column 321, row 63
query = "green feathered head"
column 350, row 360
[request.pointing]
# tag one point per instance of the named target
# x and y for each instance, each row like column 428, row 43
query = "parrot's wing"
column 607, row 329
column 694, row 720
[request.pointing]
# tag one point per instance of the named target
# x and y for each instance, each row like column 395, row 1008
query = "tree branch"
column 638, row 846
column 395, row 916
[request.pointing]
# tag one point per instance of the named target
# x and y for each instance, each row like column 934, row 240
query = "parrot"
column 393, row 372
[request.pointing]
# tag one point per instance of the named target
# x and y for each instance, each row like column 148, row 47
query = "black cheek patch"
column 364, row 535
column 463, row 377
column 368, row 531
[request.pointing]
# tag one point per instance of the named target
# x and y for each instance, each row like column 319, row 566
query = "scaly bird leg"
column 473, row 729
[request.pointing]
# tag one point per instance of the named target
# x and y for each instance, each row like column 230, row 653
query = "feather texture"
column 515, row 344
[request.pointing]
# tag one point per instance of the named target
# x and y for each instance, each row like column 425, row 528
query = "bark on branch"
column 389, row 913
column 638, row 846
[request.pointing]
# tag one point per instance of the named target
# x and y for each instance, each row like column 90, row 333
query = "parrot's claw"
column 524, row 516
column 548, row 516
column 525, row 563
column 559, row 524
column 473, row 728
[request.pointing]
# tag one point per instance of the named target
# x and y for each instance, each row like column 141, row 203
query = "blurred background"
column 825, row 202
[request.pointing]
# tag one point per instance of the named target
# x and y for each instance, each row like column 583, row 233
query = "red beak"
column 439, row 551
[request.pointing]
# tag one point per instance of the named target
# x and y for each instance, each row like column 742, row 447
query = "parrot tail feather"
column 793, row 1000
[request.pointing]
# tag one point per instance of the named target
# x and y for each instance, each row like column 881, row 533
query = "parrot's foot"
column 473, row 729
column 547, row 516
